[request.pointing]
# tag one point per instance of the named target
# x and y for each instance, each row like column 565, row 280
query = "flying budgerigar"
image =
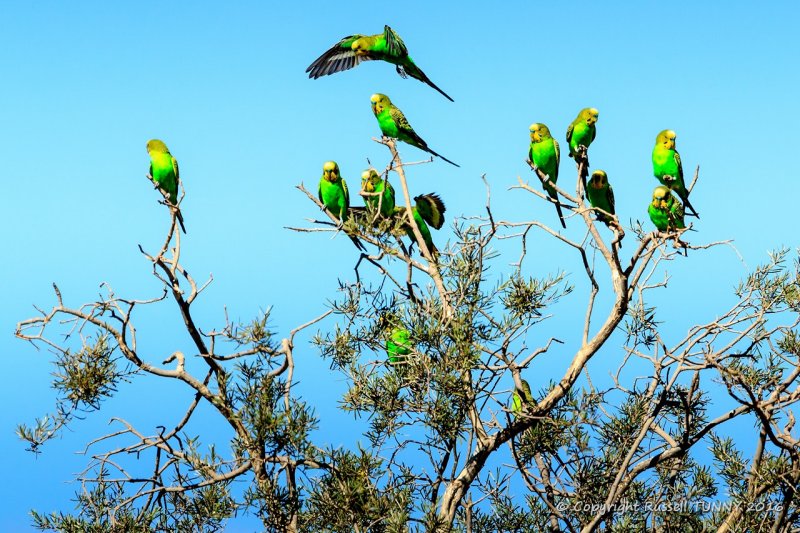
column 582, row 130
column 394, row 124
column 164, row 172
column 665, row 210
column 546, row 155
column 517, row 400
column 380, row 192
column 667, row 166
column 353, row 49
column 428, row 211
column 601, row 195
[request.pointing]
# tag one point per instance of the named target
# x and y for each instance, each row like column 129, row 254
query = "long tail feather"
column 441, row 157
column 180, row 221
column 688, row 204
column 554, row 196
column 429, row 82
column 416, row 72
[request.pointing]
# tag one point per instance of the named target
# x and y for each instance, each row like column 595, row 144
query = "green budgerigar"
column 546, row 155
column 517, row 401
column 394, row 124
column 398, row 345
column 667, row 166
column 334, row 195
column 582, row 130
column 333, row 191
column 601, row 195
column 665, row 210
column 164, row 172
column 353, row 49
column 379, row 192
column 428, row 211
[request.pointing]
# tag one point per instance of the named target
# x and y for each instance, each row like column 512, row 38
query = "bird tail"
column 441, row 157
column 416, row 72
column 357, row 243
column 179, row 216
column 554, row 196
column 689, row 205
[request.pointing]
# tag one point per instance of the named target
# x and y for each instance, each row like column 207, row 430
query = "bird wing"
column 346, row 193
column 177, row 173
column 680, row 169
column 558, row 153
column 569, row 132
column 611, row 201
column 394, row 44
column 400, row 119
column 336, row 59
column 431, row 208
column 677, row 210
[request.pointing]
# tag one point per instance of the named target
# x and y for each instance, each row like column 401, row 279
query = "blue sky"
column 86, row 84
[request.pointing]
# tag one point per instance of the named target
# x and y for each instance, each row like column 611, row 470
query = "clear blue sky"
column 85, row 84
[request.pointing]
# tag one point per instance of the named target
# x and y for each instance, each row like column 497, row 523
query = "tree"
column 444, row 449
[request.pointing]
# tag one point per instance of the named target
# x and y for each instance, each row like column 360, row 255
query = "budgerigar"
column 582, row 130
column 398, row 345
column 428, row 211
column 165, row 173
column 394, row 124
column 665, row 210
column 601, row 195
column 381, row 191
column 334, row 195
column 517, row 400
column 546, row 155
column 333, row 191
column 667, row 166
column 353, row 49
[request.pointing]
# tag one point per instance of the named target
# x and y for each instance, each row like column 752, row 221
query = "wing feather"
column 400, row 119
column 337, row 58
column 394, row 44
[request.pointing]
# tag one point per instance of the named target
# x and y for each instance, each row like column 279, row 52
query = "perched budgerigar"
column 517, row 400
column 394, row 124
column 665, row 210
column 546, row 155
column 165, row 173
column 398, row 345
column 667, row 166
column 582, row 130
column 353, row 49
column 333, row 190
column 380, row 192
column 334, row 195
column 428, row 211
column 601, row 194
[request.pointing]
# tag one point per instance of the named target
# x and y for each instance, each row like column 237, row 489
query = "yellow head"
column 330, row 171
column 590, row 115
column 379, row 102
column 369, row 180
column 661, row 198
column 155, row 145
column 599, row 180
column 539, row 132
column 666, row 139
column 359, row 46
